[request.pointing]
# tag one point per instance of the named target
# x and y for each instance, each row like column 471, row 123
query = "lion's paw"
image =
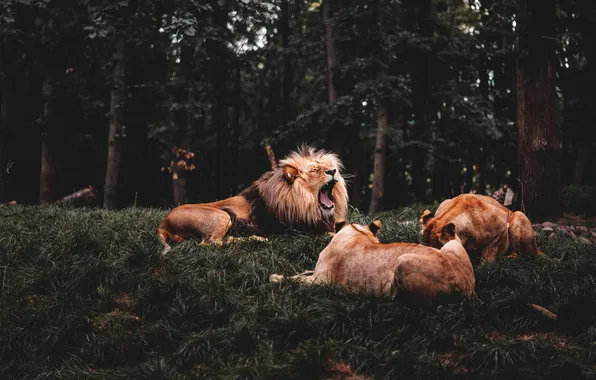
column 258, row 238
column 276, row 278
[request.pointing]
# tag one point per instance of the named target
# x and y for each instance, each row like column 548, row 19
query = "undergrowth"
column 85, row 294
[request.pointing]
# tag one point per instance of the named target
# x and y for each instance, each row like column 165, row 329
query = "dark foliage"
column 85, row 294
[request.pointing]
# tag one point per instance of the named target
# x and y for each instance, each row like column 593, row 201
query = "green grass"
column 85, row 294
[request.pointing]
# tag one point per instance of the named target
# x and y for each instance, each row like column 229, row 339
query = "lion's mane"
column 296, row 205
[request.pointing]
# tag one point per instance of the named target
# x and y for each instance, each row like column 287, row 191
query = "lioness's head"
column 344, row 229
column 434, row 233
column 307, row 188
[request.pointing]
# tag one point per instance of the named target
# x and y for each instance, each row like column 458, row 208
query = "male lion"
column 407, row 272
column 486, row 228
column 305, row 193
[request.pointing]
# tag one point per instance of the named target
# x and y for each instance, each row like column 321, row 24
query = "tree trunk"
column 4, row 91
column 421, row 91
column 583, row 156
column 116, row 132
column 583, row 127
column 335, row 135
column 378, row 185
column 50, row 148
column 236, row 127
column 179, row 180
column 469, row 176
column 330, row 45
column 220, row 116
column 539, row 152
column 288, row 73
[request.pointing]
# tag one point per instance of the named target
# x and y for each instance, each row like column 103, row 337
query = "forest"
column 161, row 103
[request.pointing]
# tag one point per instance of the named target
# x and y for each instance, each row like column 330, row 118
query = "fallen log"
column 544, row 312
column 85, row 194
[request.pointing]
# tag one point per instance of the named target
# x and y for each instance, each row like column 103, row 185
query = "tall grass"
column 85, row 294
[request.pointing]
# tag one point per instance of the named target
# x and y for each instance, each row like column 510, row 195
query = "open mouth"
column 326, row 195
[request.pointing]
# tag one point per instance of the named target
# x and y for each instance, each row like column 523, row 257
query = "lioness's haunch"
column 408, row 272
column 305, row 193
column 487, row 229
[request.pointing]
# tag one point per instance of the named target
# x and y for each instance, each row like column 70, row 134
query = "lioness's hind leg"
column 522, row 240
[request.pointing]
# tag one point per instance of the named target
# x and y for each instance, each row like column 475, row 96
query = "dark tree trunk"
column 539, row 152
column 236, row 127
column 220, row 117
column 482, row 174
column 421, row 95
column 50, row 148
column 469, row 176
column 116, row 132
column 179, row 178
column 272, row 102
column 3, row 135
column 581, row 163
column 330, row 46
column 288, row 71
column 4, row 94
column 358, row 165
column 335, row 134
column 584, row 127
column 378, row 185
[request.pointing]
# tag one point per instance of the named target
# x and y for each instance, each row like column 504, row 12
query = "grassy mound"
column 85, row 294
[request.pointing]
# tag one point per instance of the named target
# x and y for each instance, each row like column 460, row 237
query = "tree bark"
column 50, row 148
column 583, row 127
column 179, row 180
column 116, row 132
column 236, row 126
column 421, row 92
column 220, row 117
column 539, row 151
column 330, row 46
column 287, row 80
column 378, row 184
column 4, row 90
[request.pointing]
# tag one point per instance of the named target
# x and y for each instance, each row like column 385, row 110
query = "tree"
column 539, row 151
column 50, row 148
column 219, row 58
column 179, row 180
column 330, row 47
column 378, row 184
column 116, row 130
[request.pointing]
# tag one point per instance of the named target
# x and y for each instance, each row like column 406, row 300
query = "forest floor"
column 85, row 294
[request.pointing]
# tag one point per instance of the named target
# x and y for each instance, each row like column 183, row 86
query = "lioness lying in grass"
column 409, row 272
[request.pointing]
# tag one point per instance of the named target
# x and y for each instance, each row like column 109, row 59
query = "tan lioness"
column 487, row 229
column 409, row 272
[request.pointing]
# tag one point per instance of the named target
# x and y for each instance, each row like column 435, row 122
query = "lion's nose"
column 331, row 172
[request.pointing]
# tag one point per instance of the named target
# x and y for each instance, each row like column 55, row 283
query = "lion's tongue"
column 324, row 199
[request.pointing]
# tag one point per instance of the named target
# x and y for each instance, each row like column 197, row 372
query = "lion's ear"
column 290, row 173
column 426, row 216
column 448, row 232
column 339, row 224
column 375, row 227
